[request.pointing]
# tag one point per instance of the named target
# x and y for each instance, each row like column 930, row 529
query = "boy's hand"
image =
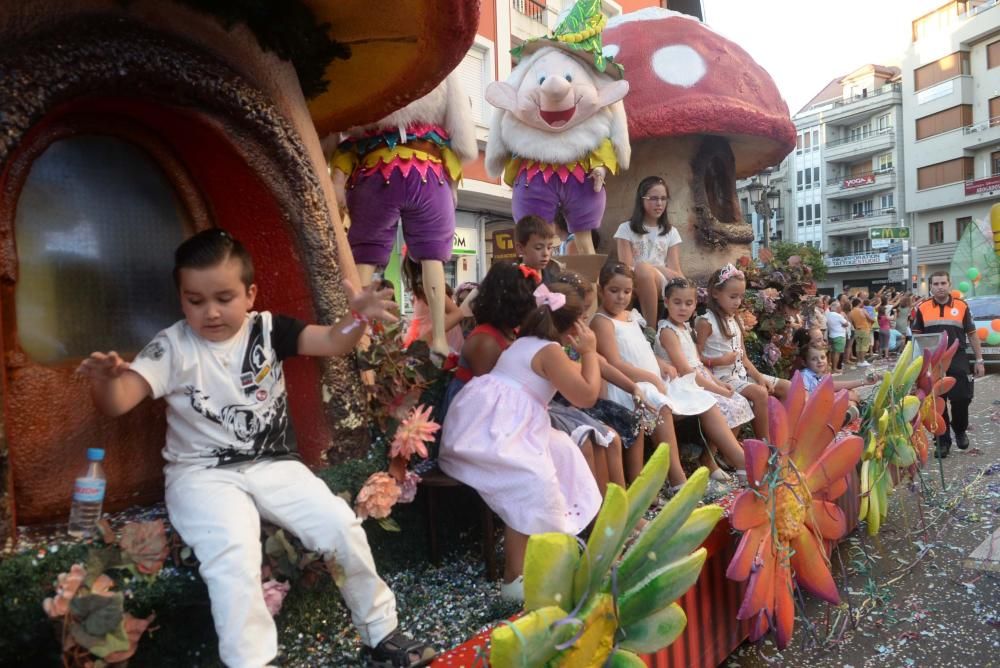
column 102, row 367
column 371, row 303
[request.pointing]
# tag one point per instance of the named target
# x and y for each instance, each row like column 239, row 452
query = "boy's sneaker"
column 863, row 363
column 514, row 590
column 398, row 650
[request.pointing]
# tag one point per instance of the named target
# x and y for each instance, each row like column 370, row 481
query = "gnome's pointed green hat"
column 579, row 35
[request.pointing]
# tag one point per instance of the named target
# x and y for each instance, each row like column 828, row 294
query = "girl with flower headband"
column 719, row 338
column 621, row 341
column 497, row 436
column 675, row 344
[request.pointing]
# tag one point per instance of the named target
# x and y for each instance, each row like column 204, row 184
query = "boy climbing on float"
column 230, row 450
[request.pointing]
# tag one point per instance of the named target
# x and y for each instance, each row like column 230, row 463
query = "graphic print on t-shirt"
column 261, row 427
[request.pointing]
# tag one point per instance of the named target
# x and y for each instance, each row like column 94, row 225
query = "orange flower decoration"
column 788, row 509
column 418, row 428
column 932, row 384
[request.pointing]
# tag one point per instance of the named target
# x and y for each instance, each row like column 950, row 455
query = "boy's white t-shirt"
column 651, row 247
column 226, row 401
column 836, row 325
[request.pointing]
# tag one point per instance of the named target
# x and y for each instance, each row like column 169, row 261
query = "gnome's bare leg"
column 584, row 242
column 433, row 277
column 365, row 272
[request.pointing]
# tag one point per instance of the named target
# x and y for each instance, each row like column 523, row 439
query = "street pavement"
column 907, row 600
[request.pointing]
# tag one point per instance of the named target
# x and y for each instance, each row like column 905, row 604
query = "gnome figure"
column 406, row 168
column 559, row 125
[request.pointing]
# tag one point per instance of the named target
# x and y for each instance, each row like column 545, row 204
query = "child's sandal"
column 398, row 650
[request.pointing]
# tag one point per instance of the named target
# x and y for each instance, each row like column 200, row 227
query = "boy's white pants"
column 217, row 512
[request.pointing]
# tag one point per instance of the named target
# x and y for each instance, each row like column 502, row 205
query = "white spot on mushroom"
column 610, row 50
column 679, row 65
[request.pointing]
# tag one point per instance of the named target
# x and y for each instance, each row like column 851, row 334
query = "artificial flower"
column 145, row 544
column 417, row 429
column 408, row 488
column 67, row 585
column 274, row 595
column 377, row 496
column 788, row 510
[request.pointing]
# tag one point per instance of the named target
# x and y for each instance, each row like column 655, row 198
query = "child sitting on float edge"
column 230, row 449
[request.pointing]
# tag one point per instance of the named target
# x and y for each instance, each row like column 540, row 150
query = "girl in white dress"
column 649, row 245
column 719, row 337
column 497, row 437
column 621, row 341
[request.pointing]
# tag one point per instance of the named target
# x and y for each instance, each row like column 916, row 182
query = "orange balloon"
column 982, row 333
column 995, row 324
column 957, row 294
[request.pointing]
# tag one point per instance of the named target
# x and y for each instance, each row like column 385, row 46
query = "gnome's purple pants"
column 582, row 208
column 426, row 209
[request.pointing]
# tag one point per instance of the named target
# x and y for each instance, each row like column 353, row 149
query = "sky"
column 804, row 44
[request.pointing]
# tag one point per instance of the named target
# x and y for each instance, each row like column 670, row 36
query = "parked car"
column 984, row 311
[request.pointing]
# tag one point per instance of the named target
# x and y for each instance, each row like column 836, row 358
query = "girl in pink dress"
column 498, row 439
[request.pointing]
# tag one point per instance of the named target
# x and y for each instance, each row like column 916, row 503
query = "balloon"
column 973, row 273
column 995, row 324
column 964, row 286
column 982, row 333
column 993, row 339
column 957, row 294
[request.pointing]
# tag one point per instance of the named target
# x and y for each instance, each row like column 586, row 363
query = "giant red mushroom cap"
column 686, row 79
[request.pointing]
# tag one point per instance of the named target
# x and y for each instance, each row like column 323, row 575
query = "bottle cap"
column 95, row 454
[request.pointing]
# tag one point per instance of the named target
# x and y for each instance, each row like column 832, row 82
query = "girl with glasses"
column 648, row 244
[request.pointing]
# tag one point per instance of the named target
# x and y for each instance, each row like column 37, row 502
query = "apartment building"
column 951, row 134
column 845, row 179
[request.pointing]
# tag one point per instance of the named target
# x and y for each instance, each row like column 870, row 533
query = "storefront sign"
column 503, row 245
column 465, row 242
column 855, row 260
column 856, row 181
column 981, row 186
column 889, row 233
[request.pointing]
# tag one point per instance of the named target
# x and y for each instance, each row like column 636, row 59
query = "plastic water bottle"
column 88, row 496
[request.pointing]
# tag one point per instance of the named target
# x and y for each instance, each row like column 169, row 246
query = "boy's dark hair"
column 855, row 302
column 937, row 273
column 545, row 323
column 209, row 248
column 635, row 223
column 611, row 269
column 505, row 297
column 528, row 225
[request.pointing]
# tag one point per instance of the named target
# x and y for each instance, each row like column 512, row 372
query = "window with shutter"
column 472, row 74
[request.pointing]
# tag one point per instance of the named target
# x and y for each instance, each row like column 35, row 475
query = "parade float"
column 217, row 114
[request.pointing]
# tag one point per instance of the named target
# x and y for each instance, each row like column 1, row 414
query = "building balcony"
column 863, row 261
column 850, row 187
column 851, row 111
column 847, row 223
column 864, row 145
column 530, row 18
column 981, row 135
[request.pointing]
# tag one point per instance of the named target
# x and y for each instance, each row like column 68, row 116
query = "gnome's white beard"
column 525, row 141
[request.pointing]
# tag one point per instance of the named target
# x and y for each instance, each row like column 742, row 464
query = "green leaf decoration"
column 389, row 524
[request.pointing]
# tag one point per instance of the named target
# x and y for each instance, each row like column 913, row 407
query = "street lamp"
column 765, row 201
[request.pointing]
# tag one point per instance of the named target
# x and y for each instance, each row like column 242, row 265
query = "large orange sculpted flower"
column 788, row 509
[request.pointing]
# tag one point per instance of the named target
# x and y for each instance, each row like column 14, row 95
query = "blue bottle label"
column 89, row 490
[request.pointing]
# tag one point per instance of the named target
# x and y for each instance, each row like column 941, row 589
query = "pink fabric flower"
column 418, row 428
column 66, row 586
column 377, row 496
column 408, row 488
column 274, row 595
